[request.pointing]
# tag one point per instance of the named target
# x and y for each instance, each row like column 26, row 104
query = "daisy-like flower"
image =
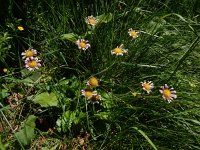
column 20, row 28
column 29, row 53
column 82, row 44
column 90, row 20
column 168, row 94
column 147, row 86
column 119, row 50
column 133, row 33
column 32, row 63
column 93, row 82
column 88, row 93
column 95, row 99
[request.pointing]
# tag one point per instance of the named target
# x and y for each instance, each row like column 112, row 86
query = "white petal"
column 174, row 96
column 166, row 86
column 161, row 91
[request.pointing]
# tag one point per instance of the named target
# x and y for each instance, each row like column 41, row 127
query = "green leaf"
column 35, row 76
column 4, row 93
column 105, row 18
column 68, row 119
column 70, row 36
column 107, row 101
column 30, row 77
column 52, row 148
column 103, row 115
column 44, row 148
column 46, row 99
column 26, row 134
column 73, row 117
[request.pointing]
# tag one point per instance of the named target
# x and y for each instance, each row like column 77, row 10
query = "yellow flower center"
column 92, row 21
column 133, row 33
column 146, row 86
column 32, row 64
column 167, row 93
column 93, row 81
column 117, row 50
column 29, row 53
column 82, row 45
column 88, row 93
column 20, row 28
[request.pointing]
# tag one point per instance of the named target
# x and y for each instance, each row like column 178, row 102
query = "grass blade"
column 146, row 137
column 191, row 48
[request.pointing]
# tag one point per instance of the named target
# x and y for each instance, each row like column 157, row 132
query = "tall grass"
column 166, row 52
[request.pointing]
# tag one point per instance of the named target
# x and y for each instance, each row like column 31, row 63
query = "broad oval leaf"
column 26, row 134
column 46, row 99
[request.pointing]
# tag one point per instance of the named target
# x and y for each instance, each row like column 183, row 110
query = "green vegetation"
column 73, row 81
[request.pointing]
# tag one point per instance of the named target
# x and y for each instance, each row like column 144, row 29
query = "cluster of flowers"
column 119, row 50
column 30, row 59
column 168, row 94
column 91, row 94
column 33, row 63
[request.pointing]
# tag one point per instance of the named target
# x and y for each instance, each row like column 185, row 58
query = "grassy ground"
column 45, row 109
